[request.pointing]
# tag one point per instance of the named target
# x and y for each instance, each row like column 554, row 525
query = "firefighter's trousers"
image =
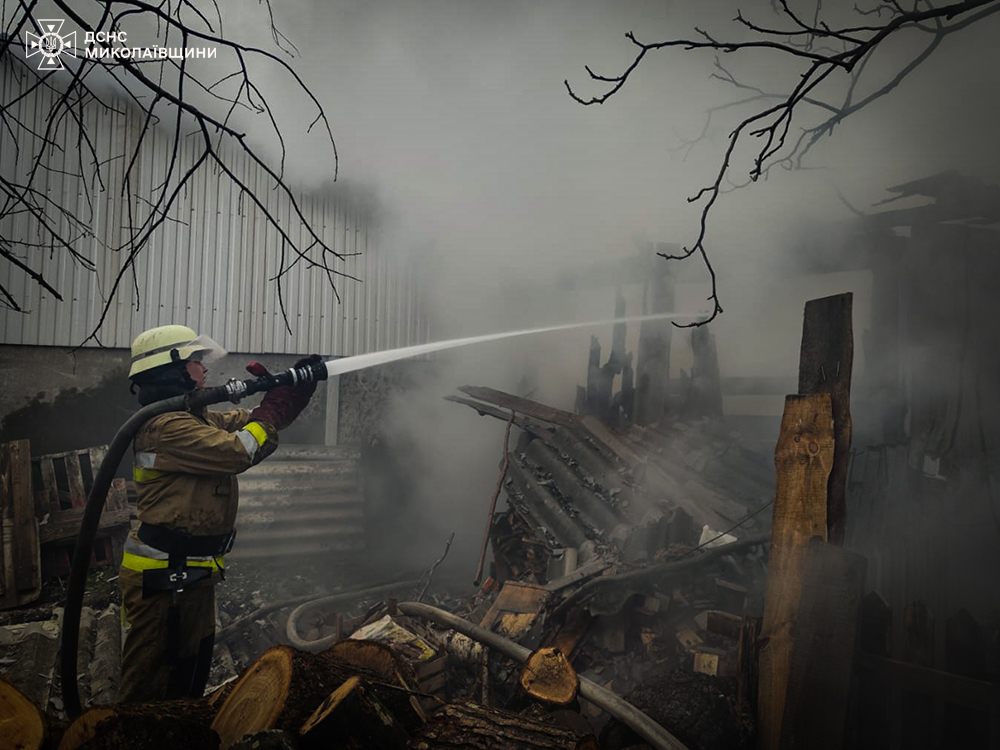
column 150, row 672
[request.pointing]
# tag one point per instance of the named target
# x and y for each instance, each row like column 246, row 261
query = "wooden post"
column 822, row 654
column 803, row 459
column 20, row 561
column 825, row 363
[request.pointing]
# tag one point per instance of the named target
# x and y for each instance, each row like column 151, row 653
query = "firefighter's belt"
column 177, row 544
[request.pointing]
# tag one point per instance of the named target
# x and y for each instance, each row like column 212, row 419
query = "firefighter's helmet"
column 165, row 344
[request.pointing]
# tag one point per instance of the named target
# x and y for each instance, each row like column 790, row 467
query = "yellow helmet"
column 165, row 344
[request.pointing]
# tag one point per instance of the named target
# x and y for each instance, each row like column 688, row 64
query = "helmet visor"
column 202, row 349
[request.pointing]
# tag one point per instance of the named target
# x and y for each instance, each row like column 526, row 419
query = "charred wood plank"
column 653, row 366
column 521, row 405
column 487, row 410
column 65, row 524
column 473, row 726
column 826, row 360
column 20, row 559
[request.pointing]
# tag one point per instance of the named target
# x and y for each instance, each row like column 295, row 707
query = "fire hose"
column 616, row 706
column 234, row 391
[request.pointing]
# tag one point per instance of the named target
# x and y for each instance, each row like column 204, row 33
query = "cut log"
column 376, row 657
column 285, row 686
column 21, row 723
column 472, row 726
column 351, row 716
column 398, row 684
column 549, row 677
column 153, row 726
column 278, row 691
column 218, row 696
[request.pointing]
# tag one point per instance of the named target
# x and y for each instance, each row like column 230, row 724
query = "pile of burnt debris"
column 612, row 615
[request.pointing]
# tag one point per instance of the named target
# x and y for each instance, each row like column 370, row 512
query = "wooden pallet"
column 62, row 482
column 20, row 564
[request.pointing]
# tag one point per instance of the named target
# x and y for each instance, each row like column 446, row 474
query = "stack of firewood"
column 356, row 694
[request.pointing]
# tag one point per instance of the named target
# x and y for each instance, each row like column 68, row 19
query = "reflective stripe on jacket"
column 139, row 557
column 186, row 466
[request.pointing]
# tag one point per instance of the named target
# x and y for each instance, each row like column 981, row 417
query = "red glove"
column 280, row 406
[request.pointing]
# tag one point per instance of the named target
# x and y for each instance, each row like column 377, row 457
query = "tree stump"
column 472, row 726
column 549, row 677
column 152, row 726
column 352, row 716
column 22, row 724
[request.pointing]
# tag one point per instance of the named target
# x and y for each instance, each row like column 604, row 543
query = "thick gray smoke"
column 455, row 112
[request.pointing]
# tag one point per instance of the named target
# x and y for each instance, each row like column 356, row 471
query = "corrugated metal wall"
column 209, row 266
column 302, row 500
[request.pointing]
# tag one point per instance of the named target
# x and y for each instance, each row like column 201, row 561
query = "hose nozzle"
column 237, row 390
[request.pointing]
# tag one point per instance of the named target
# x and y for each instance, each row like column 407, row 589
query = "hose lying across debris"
column 621, row 709
column 292, row 626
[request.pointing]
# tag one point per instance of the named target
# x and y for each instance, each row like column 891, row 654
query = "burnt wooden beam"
column 486, row 410
column 652, row 372
column 521, row 405
column 826, row 359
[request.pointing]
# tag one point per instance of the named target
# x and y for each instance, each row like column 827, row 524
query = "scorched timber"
column 472, row 726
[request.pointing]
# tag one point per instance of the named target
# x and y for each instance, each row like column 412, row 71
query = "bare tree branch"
column 172, row 98
column 825, row 53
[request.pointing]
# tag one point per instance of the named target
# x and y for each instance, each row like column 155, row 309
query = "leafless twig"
column 171, row 97
column 824, row 53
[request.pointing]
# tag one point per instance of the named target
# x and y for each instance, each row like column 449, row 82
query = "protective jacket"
column 185, row 467
column 186, row 498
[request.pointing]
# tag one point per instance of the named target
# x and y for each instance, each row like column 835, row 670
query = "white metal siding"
column 209, row 266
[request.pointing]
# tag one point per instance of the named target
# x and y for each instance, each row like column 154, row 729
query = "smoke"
column 495, row 182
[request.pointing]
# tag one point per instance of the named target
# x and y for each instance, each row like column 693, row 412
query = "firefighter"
column 186, row 496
